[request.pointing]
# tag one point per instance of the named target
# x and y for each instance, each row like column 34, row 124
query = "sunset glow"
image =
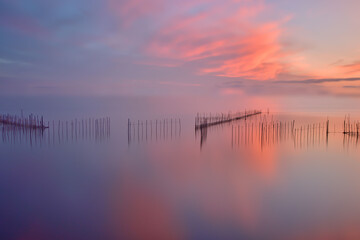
column 125, row 41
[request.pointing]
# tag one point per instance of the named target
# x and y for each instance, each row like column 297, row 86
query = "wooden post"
column 327, row 127
column 129, row 129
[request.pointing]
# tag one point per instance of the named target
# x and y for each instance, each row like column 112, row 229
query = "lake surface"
column 160, row 179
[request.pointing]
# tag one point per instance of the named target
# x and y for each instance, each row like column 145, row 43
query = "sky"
column 180, row 47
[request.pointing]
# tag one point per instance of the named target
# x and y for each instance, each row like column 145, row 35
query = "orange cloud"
column 351, row 69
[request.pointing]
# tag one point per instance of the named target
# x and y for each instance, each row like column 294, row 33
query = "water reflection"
column 252, row 179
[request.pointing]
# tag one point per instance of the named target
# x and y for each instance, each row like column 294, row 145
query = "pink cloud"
column 229, row 38
column 131, row 10
column 23, row 24
column 256, row 56
column 229, row 43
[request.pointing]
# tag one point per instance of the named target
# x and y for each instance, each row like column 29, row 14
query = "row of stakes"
column 267, row 133
column 55, row 131
column 160, row 129
column 32, row 128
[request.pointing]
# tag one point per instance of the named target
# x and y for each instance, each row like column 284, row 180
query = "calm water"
column 169, row 182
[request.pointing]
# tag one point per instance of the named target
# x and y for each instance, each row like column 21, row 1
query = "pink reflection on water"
column 222, row 188
column 175, row 183
column 141, row 211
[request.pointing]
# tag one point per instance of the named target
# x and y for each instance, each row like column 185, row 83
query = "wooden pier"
column 211, row 120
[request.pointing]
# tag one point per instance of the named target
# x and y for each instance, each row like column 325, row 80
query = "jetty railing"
column 211, row 119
